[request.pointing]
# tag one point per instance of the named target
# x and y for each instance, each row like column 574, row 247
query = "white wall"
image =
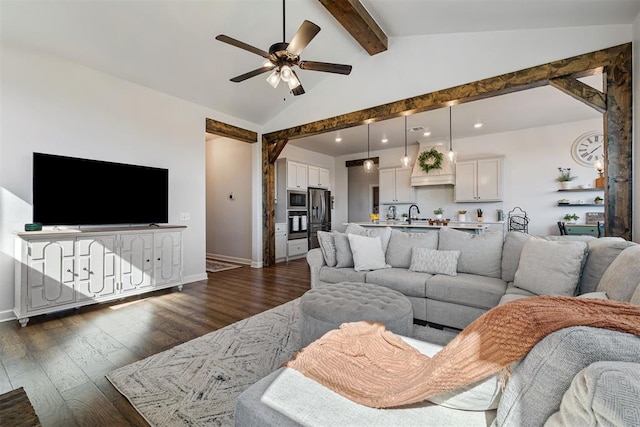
column 532, row 159
column 55, row 106
column 228, row 164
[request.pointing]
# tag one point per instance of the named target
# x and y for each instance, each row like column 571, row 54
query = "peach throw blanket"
column 364, row 362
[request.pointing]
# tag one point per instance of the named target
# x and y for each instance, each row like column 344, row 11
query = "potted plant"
column 565, row 177
column 571, row 218
column 438, row 213
column 462, row 215
column 405, row 216
column 598, row 200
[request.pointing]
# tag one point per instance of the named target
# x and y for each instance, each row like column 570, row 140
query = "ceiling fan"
column 282, row 57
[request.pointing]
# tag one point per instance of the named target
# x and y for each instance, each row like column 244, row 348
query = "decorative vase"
column 438, row 216
column 462, row 217
column 565, row 185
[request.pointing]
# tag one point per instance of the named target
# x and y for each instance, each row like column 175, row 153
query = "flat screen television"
column 74, row 191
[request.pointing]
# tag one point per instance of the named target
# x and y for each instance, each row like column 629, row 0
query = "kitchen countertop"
column 477, row 226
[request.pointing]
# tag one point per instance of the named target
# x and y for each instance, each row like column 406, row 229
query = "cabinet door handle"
column 148, row 260
column 158, row 259
column 69, row 271
column 85, row 269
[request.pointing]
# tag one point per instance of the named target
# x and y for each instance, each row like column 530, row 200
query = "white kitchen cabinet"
column 58, row 270
column 318, row 177
column 297, row 175
column 395, row 186
column 479, row 180
column 297, row 247
column 281, row 241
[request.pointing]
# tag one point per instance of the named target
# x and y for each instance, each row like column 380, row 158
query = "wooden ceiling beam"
column 224, row 129
column 581, row 91
column 352, row 15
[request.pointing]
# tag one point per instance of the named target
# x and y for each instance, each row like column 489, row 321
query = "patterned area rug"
column 213, row 266
column 197, row 383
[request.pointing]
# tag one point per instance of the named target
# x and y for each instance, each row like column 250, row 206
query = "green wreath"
column 429, row 160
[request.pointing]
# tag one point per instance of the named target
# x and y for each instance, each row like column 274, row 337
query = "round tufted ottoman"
column 327, row 307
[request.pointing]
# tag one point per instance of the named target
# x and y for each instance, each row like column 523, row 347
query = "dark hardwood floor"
column 61, row 359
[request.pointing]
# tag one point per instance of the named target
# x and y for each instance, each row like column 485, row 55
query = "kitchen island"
column 417, row 226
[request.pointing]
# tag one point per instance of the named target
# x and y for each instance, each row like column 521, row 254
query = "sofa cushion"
column 367, row 253
column 620, row 280
column 407, row 282
column 433, row 261
column 328, row 247
column 513, row 243
column 635, row 298
column 550, row 268
column 479, row 253
column 514, row 290
column 602, row 252
column 401, row 245
column 603, row 393
column 595, row 295
column 510, row 297
column 383, row 232
column 344, row 257
column 337, row 275
column 466, row 289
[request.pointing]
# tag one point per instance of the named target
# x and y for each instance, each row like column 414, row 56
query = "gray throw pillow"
column 602, row 252
column 479, row 253
column 433, row 261
column 328, row 247
column 344, row 258
column 401, row 246
column 513, row 243
column 621, row 279
column 550, row 267
column 383, row 232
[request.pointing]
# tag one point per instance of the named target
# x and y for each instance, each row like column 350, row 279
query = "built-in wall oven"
column 297, row 224
column 296, row 200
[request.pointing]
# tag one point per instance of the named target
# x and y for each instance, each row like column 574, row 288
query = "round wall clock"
column 587, row 146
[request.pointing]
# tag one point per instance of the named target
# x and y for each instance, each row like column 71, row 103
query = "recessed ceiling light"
column 338, row 139
column 384, row 140
column 477, row 125
column 427, row 133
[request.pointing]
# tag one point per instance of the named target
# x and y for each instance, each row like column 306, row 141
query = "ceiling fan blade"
column 250, row 74
column 325, row 66
column 242, row 45
column 303, row 36
column 298, row 91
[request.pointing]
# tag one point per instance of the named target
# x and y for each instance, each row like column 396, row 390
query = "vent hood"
column 444, row 176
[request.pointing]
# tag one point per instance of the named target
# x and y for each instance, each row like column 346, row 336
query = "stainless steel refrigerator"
column 319, row 214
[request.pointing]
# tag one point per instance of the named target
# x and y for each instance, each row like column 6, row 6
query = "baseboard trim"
column 256, row 264
column 244, row 261
column 7, row 315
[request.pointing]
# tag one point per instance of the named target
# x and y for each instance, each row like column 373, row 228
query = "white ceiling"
column 170, row 45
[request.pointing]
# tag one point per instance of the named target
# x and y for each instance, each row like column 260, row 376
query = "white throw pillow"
column 367, row 253
column 434, row 262
column 550, row 267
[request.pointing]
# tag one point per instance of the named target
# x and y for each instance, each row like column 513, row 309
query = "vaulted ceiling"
column 170, row 46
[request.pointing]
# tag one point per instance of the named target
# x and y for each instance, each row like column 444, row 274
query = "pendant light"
column 451, row 155
column 368, row 164
column 406, row 160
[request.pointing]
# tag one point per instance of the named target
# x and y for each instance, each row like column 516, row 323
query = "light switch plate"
column 184, row 216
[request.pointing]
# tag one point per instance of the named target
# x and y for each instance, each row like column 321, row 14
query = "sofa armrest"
column 537, row 385
column 315, row 259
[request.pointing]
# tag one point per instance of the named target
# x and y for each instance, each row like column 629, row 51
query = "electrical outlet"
column 184, row 216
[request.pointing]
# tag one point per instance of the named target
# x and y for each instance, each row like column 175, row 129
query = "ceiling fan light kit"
column 284, row 56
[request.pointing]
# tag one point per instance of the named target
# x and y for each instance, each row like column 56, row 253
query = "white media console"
column 62, row 269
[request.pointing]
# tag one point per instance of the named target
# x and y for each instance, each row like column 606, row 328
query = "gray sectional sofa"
column 576, row 376
column 492, row 268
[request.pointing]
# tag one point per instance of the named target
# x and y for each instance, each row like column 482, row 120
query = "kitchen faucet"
column 409, row 213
